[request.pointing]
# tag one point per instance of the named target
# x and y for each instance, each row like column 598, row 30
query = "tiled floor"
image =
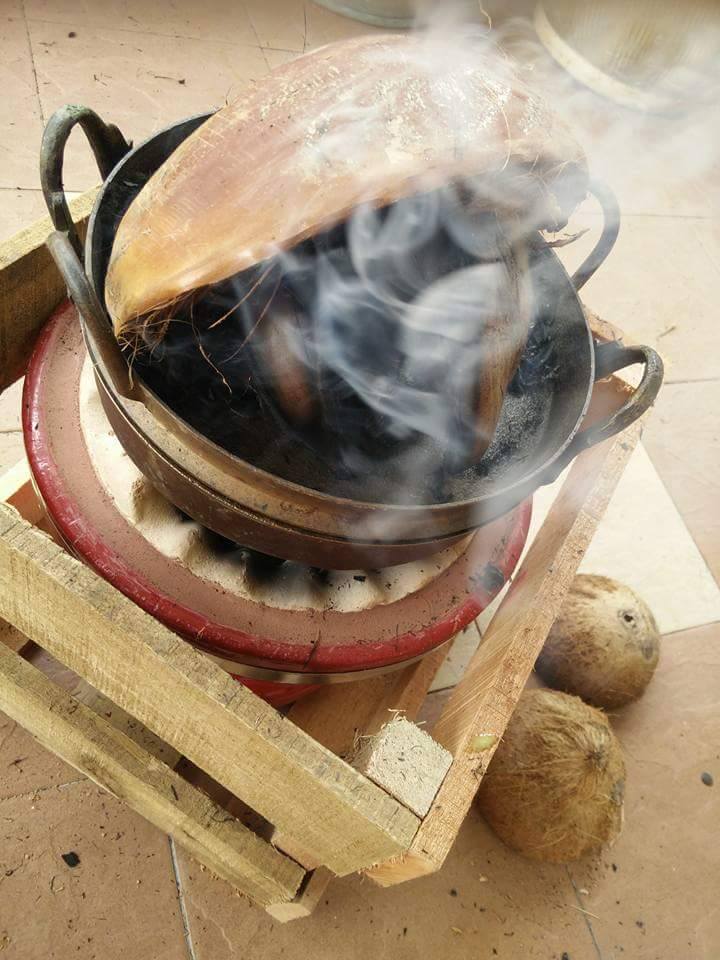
column 653, row 896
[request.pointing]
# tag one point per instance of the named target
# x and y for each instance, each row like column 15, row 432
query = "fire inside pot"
column 371, row 361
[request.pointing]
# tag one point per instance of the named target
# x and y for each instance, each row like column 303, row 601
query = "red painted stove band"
column 255, row 633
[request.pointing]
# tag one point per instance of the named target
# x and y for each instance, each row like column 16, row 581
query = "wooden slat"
column 115, row 762
column 16, row 488
column 306, row 900
column 478, row 710
column 405, row 761
column 30, row 289
column 12, row 638
column 338, row 815
column 339, row 713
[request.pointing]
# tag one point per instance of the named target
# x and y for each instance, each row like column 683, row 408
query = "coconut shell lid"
column 368, row 120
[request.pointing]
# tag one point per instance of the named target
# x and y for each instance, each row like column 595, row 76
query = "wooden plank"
column 12, row 638
column 115, row 762
column 30, row 289
column 338, row 815
column 306, row 900
column 340, row 713
column 478, row 710
column 111, row 713
column 405, row 761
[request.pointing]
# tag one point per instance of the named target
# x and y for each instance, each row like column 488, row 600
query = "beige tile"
column 12, row 9
column 11, row 449
column 683, row 441
column 453, row 667
column 484, row 899
column 656, row 164
column 119, row 901
column 211, row 19
column 10, row 408
column 297, row 25
column 643, row 541
column 18, row 209
column 276, row 58
column 280, row 24
column 661, row 286
column 661, row 899
column 324, row 26
column 26, row 766
column 20, row 120
column 141, row 82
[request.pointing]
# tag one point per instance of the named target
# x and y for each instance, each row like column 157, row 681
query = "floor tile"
column 10, row 408
column 453, row 667
column 659, row 900
column 324, row 26
column 657, row 164
column 27, row 767
column 661, row 286
column 119, row 901
column 485, row 903
column 276, row 58
column 18, row 209
column 298, row 25
column 280, row 24
column 643, row 541
column 11, row 449
column 141, row 82
column 683, row 441
column 20, row 120
column 212, row 19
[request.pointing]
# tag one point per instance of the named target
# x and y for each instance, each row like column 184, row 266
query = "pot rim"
column 237, row 467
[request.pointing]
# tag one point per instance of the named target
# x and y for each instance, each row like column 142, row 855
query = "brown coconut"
column 604, row 645
column 554, row 789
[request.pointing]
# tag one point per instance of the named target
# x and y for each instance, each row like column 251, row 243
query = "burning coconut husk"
column 303, row 219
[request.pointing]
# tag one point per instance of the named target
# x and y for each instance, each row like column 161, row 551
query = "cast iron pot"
column 273, row 514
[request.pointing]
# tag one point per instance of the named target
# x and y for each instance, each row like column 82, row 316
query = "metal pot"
column 535, row 440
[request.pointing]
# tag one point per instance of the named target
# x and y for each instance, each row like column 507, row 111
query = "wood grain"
column 118, row 764
column 306, row 900
column 338, row 815
column 340, row 713
column 478, row 710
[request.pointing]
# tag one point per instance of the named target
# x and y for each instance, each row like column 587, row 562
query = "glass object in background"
column 649, row 54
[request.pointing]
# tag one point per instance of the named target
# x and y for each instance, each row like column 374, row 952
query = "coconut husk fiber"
column 554, row 789
column 370, row 120
column 604, row 645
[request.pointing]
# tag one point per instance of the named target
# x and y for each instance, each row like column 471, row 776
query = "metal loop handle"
column 90, row 308
column 609, row 358
column 611, row 227
column 108, row 145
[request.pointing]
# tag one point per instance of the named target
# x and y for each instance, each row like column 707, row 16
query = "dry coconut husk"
column 554, row 789
column 604, row 645
column 369, row 120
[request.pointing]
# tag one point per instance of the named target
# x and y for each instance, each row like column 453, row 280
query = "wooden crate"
column 315, row 814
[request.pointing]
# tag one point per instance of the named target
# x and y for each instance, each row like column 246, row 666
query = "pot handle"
column 65, row 246
column 108, row 145
column 86, row 300
column 609, row 358
column 611, row 227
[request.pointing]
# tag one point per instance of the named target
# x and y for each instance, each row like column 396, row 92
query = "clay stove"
column 280, row 627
